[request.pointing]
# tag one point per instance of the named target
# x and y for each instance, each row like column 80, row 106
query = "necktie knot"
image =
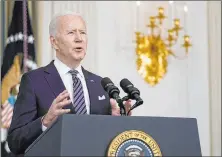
column 73, row 72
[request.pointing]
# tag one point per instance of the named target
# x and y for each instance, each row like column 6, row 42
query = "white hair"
column 54, row 21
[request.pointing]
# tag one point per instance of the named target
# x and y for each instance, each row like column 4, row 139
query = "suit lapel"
column 91, row 86
column 55, row 82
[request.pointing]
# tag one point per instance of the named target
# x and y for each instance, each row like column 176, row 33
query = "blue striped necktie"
column 78, row 94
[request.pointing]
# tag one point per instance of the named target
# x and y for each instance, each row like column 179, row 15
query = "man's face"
column 70, row 40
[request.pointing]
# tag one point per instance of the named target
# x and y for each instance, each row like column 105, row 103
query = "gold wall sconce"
column 153, row 50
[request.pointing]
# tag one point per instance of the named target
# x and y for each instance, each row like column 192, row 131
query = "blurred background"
column 187, row 82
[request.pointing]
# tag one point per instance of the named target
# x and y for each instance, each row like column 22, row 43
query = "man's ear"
column 53, row 42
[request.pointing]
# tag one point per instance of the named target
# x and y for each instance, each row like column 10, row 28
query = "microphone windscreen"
column 124, row 83
column 105, row 82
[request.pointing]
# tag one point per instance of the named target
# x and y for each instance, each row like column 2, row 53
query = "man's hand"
column 6, row 114
column 56, row 109
column 116, row 109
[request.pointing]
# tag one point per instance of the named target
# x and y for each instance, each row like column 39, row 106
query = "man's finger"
column 130, row 113
column 115, row 107
column 116, row 112
column 62, row 97
column 64, row 92
column 63, row 103
column 114, row 104
column 128, row 103
column 63, row 111
column 57, row 99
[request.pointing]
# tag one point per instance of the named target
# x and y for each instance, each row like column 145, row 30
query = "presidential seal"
column 133, row 143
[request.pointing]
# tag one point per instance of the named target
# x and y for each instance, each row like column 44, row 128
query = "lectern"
column 102, row 135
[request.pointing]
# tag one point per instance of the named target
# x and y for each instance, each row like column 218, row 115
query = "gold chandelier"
column 153, row 50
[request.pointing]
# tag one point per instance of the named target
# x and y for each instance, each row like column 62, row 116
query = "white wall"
column 48, row 9
column 184, row 92
column 214, row 17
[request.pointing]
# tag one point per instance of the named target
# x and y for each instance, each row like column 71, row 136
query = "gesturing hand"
column 56, row 109
column 116, row 109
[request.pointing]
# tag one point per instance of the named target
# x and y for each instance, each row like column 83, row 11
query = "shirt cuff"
column 43, row 127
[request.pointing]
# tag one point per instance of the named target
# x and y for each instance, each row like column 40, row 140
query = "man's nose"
column 78, row 37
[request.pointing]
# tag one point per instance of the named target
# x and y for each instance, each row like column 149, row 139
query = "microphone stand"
column 122, row 107
column 138, row 103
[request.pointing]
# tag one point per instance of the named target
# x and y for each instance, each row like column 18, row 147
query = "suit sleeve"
column 26, row 126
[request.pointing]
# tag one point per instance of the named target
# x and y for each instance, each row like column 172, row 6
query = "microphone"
column 113, row 92
column 133, row 92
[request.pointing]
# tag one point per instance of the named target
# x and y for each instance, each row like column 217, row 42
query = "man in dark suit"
column 61, row 87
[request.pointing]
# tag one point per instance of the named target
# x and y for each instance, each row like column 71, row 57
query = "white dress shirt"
column 66, row 77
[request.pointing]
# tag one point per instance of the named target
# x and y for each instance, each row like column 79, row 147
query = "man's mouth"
column 78, row 48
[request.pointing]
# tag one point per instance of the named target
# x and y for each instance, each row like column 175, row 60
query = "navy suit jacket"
column 38, row 89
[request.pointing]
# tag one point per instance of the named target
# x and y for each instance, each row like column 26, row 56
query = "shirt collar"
column 63, row 69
